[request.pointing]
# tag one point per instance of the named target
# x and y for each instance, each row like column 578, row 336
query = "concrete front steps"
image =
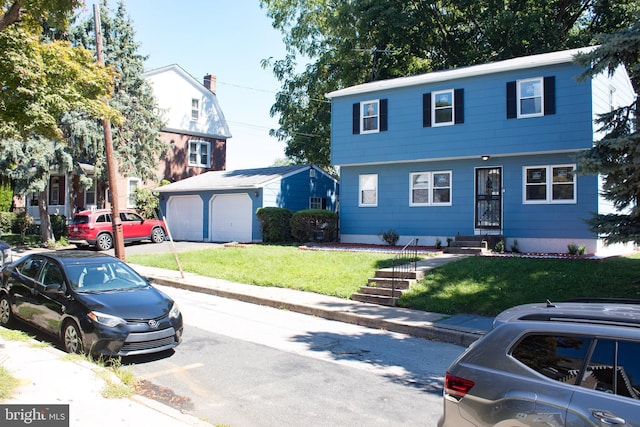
column 472, row 245
column 379, row 289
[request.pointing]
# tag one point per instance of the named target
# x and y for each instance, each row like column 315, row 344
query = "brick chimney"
column 210, row 82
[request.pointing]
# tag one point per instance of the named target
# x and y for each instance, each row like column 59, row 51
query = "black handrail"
column 405, row 261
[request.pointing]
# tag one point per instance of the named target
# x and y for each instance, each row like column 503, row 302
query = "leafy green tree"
column 617, row 155
column 39, row 81
column 147, row 204
column 55, row 12
column 352, row 42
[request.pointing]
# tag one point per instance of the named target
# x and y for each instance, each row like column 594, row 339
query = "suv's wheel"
column 6, row 317
column 104, row 242
column 71, row 338
column 157, row 235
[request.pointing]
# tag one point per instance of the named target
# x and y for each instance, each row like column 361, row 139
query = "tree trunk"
column 45, row 223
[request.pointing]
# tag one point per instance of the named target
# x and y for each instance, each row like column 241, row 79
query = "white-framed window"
column 370, row 116
column 549, row 184
column 317, row 203
column 132, row 185
column 530, row 95
column 368, row 190
column 199, row 153
column 195, row 108
column 430, row 188
column 442, row 113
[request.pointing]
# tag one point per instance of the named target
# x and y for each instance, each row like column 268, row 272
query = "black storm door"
column 488, row 213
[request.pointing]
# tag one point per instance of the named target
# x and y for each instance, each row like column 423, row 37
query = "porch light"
column 485, row 158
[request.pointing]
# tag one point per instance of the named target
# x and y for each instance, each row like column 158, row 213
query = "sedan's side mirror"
column 53, row 288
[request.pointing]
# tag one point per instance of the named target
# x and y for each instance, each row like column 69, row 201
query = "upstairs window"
column 199, row 154
column 368, row 190
column 430, row 188
column 550, row 184
column 532, row 97
column 443, row 108
column 195, row 109
column 370, row 116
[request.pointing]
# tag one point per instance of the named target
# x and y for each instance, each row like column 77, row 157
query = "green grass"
column 326, row 272
column 486, row 286
column 473, row 285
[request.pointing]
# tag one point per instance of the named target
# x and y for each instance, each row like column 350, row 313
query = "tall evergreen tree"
column 136, row 141
column 617, row 155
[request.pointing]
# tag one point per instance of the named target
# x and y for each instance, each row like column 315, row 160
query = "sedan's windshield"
column 110, row 275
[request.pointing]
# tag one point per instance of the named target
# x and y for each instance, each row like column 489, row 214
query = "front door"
column 488, row 194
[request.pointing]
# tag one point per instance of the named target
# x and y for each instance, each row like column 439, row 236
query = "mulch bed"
column 361, row 247
column 431, row 250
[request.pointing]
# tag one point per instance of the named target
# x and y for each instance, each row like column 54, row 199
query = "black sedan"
column 93, row 303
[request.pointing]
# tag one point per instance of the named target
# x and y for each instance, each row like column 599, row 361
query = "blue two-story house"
column 481, row 150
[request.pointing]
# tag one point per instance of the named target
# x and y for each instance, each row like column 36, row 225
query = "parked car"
column 93, row 303
column 555, row 364
column 5, row 253
column 94, row 228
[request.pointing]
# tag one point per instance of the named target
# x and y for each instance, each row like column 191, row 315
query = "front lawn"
column 474, row 285
column 332, row 273
column 487, row 285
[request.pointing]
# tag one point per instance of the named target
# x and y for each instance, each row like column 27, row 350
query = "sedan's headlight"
column 105, row 319
column 175, row 311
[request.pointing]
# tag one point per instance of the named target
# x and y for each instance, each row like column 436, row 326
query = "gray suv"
column 555, row 364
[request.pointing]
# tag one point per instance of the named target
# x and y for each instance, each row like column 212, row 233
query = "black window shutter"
column 426, row 110
column 512, row 110
column 383, row 115
column 458, row 96
column 549, row 95
column 356, row 118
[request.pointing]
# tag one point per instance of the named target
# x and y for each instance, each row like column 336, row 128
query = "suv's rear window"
column 557, row 357
column 80, row 219
column 562, row 359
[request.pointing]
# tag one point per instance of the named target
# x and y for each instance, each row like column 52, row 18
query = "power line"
column 265, row 91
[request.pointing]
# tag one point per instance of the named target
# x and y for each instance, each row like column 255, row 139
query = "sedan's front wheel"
column 6, row 317
column 72, row 339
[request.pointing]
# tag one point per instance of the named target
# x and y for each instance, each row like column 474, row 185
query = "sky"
column 227, row 39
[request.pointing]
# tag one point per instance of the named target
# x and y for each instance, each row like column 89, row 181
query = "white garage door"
column 184, row 216
column 231, row 217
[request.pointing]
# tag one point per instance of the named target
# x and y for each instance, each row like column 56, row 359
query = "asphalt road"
column 246, row 365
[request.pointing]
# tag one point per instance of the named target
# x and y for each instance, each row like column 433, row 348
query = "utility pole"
column 108, row 147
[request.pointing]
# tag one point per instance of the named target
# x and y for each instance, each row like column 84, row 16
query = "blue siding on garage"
column 294, row 192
